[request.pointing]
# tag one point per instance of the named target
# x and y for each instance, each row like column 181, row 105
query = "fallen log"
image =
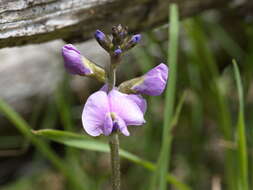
column 35, row 21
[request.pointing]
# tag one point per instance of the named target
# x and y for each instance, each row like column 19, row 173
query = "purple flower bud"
column 73, row 60
column 117, row 52
column 153, row 82
column 103, row 40
column 136, row 38
column 104, row 113
column 133, row 41
column 99, row 35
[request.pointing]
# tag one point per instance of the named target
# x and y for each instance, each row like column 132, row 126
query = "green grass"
column 164, row 156
column 87, row 143
column 41, row 146
column 241, row 136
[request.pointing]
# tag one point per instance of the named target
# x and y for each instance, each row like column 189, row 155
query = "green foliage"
column 169, row 100
column 43, row 147
column 87, row 143
column 241, row 139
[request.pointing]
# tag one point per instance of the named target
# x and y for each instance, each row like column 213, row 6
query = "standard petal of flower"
column 140, row 101
column 94, row 113
column 108, row 124
column 73, row 60
column 154, row 81
column 125, row 108
column 121, row 125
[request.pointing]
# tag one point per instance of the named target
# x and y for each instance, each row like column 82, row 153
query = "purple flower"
column 153, row 82
column 73, row 60
column 104, row 113
column 136, row 38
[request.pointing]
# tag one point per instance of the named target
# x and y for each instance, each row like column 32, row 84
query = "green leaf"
column 44, row 148
column 241, row 140
column 164, row 156
column 86, row 143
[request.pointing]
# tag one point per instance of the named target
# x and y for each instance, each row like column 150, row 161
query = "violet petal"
column 121, row 125
column 140, row 101
column 125, row 108
column 94, row 113
column 154, row 81
column 108, row 125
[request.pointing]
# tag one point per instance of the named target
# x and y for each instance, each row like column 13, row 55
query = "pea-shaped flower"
column 104, row 113
column 76, row 64
column 73, row 60
column 152, row 83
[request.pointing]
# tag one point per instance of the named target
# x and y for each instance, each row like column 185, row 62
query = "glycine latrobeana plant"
column 112, row 109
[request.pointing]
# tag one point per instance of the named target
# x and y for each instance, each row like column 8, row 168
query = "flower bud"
column 99, row 35
column 76, row 64
column 103, row 40
column 119, row 33
column 73, row 61
column 152, row 83
column 133, row 41
column 136, row 38
column 117, row 52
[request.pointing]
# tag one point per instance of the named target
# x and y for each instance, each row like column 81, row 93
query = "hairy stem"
column 115, row 160
column 114, row 139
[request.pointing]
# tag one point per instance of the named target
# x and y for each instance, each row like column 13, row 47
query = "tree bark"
column 35, row 21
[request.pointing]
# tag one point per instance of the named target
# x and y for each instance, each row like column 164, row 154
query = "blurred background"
column 33, row 81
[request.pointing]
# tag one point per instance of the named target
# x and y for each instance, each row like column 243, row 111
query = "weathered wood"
column 33, row 71
column 34, row 21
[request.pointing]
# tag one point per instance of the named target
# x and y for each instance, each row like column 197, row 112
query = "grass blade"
column 241, row 139
column 86, row 143
column 43, row 147
column 170, row 98
column 63, row 99
column 209, row 73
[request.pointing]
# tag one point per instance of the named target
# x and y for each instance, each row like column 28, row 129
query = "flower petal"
column 140, row 101
column 125, row 108
column 154, row 81
column 108, row 124
column 94, row 113
column 121, row 125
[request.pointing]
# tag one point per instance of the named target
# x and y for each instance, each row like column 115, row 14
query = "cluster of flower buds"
column 117, row 43
column 106, row 111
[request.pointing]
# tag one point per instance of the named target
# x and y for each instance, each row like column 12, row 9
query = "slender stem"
column 114, row 139
column 111, row 77
column 115, row 160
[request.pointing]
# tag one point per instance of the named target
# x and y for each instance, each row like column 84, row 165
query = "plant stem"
column 111, row 77
column 114, row 139
column 115, row 160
